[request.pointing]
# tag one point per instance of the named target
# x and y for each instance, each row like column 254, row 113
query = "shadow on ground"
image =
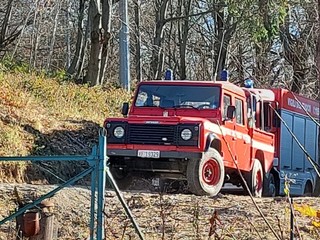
column 76, row 139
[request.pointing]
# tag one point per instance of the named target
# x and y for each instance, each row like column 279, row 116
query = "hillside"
column 49, row 116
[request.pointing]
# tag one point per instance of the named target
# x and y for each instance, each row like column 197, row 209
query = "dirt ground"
column 166, row 216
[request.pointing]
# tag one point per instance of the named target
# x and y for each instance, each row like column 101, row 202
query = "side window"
column 226, row 103
column 239, row 111
column 251, row 110
column 267, row 114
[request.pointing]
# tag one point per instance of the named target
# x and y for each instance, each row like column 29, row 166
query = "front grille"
column 152, row 134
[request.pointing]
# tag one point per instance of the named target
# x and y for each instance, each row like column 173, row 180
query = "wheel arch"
column 213, row 141
column 310, row 185
column 259, row 155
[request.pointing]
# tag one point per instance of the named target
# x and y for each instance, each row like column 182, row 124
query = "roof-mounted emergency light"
column 168, row 74
column 224, row 75
column 248, row 83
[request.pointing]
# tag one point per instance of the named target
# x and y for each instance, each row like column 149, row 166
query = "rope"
column 246, row 185
column 314, row 164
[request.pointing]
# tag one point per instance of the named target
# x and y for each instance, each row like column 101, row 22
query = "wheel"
column 316, row 192
column 307, row 190
column 269, row 186
column 206, row 176
column 123, row 178
column 255, row 179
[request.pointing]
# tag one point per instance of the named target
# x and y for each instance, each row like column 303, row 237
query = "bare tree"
column 76, row 60
column 295, row 51
column 106, row 31
column 5, row 23
column 183, row 35
column 137, row 18
column 53, row 38
column 8, row 37
column 157, row 51
column 94, row 64
column 100, row 22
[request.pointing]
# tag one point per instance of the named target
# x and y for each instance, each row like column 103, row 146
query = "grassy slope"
column 42, row 116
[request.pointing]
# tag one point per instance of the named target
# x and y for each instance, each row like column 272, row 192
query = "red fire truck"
column 207, row 133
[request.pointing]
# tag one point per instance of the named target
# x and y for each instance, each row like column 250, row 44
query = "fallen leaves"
column 310, row 212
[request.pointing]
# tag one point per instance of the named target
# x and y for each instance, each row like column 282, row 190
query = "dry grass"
column 35, row 110
column 168, row 216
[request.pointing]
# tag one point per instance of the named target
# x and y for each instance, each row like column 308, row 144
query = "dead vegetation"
column 170, row 216
column 41, row 116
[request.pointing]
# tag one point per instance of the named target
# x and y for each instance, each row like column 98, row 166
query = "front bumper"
column 163, row 154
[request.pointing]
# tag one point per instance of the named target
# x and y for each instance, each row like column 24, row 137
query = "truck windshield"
column 178, row 96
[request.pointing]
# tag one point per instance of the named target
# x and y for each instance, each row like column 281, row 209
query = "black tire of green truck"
column 122, row 178
column 206, row 176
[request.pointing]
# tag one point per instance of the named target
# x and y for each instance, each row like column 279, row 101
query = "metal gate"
column 99, row 171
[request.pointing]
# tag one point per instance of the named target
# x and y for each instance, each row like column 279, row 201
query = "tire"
column 316, row 192
column 269, row 186
column 255, row 179
column 307, row 190
column 206, row 176
column 123, row 178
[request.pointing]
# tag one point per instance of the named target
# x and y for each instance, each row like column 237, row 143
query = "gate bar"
column 124, row 204
column 49, row 194
column 98, row 169
column 93, row 192
column 101, row 169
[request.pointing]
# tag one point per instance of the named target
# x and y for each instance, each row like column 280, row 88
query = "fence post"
column 101, row 185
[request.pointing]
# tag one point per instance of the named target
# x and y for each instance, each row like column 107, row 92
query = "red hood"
column 159, row 119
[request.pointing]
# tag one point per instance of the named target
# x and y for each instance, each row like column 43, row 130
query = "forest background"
column 276, row 43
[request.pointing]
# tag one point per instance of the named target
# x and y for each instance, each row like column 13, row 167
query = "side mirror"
column 125, row 109
column 231, row 112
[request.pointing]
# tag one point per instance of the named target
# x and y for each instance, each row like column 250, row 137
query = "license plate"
column 148, row 154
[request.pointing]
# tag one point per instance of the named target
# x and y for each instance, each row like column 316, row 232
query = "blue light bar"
column 168, row 74
column 224, row 75
column 248, row 83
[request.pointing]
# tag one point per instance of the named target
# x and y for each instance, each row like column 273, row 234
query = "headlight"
column 118, row 132
column 186, row 134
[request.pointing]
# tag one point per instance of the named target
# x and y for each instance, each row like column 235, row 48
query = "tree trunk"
column 106, row 30
column 157, row 52
column 53, row 34
column 5, row 23
column 240, row 64
column 183, row 37
column 80, row 40
column 138, row 40
column 35, row 36
column 224, row 35
column 94, row 64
